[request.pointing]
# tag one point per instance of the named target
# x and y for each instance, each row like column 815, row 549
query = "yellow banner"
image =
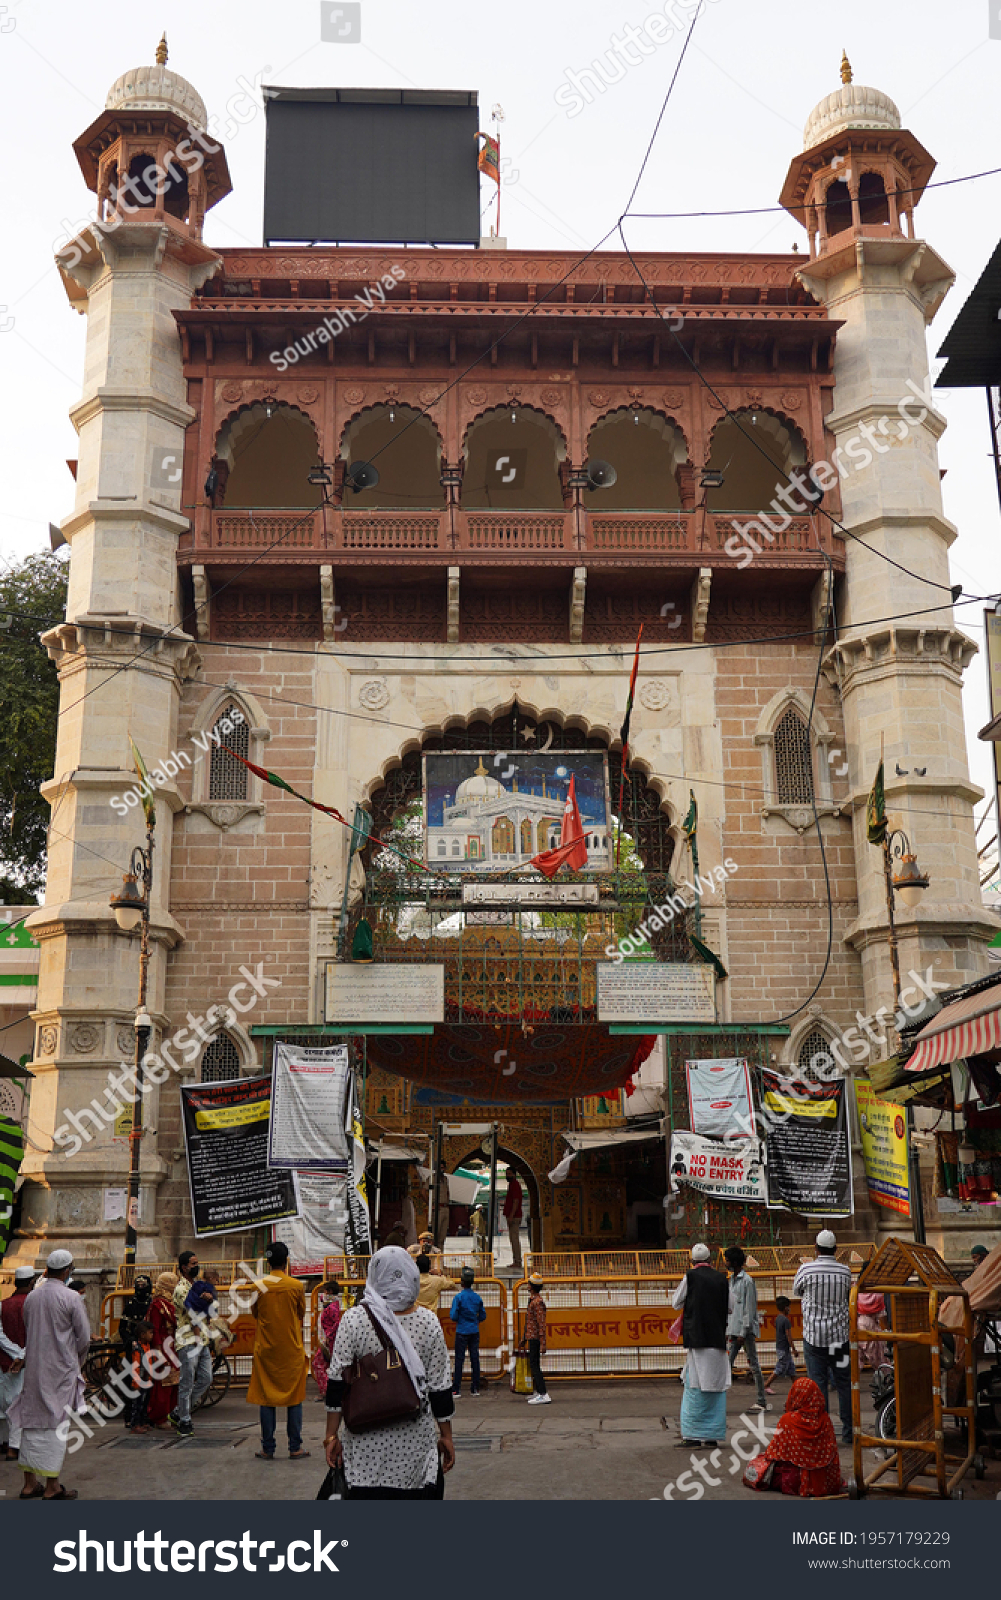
column 234, row 1116
column 788, row 1106
column 883, row 1130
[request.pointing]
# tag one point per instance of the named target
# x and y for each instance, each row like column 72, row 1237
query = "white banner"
column 719, row 1098
column 309, row 1108
column 731, row 1171
column 318, row 1231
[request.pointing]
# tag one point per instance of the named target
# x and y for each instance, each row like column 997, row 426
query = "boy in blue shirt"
column 467, row 1313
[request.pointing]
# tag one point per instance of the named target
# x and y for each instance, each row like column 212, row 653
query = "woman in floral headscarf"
column 803, row 1448
column 163, row 1319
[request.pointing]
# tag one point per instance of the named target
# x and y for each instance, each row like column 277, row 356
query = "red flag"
column 572, row 848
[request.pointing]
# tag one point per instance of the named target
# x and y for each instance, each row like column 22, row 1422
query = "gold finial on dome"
column 161, row 52
column 846, row 68
column 481, row 771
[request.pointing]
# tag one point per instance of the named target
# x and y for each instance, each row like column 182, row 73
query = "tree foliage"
column 32, row 599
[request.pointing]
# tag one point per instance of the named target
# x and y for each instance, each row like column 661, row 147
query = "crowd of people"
column 406, row 1454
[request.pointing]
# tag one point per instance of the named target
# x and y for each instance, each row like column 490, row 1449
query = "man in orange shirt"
column 278, row 1377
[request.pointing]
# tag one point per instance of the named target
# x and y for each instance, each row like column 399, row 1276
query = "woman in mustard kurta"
column 279, row 1374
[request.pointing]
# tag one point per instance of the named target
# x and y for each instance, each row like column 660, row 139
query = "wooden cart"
column 914, row 1281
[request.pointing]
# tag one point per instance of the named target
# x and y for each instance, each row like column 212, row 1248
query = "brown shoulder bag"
column 378, row 1389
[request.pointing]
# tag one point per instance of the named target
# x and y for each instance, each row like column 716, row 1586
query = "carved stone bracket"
column 453, row 605
column 578, row 596
column 700, row 603
column 225, row 814
column 203, row 600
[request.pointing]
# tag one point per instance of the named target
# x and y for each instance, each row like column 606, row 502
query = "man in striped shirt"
column 824, row 1286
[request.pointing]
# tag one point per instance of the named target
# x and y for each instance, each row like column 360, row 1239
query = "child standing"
column 785, row 1350
column 467, row 1312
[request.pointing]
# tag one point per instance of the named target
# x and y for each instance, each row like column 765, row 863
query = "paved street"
column 601, row 1441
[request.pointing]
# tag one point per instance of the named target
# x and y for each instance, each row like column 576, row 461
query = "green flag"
column 145, row 787
column 875, row 811
column 11, row 1156
column 691, row 818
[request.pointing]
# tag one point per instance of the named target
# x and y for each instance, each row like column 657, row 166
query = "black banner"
column 809, row 1149
column 226, row 1139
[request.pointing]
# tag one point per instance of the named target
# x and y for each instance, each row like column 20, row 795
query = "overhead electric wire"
column 761, row 211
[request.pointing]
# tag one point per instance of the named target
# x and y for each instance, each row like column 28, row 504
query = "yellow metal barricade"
column 354, row 1269
column 495, row 1344
column 612, row 1327
column 606, row 1263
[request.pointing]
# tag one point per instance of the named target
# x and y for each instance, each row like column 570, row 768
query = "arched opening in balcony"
column 874, row 208
column 837, row 207
column 755, row 451
column 264, row 455
column 646, row 449
column 512, row 461
column 404, row 447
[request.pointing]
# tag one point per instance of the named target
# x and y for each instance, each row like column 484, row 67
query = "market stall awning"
column 966, row 1028
column 394, row 1152
column 602, row 1139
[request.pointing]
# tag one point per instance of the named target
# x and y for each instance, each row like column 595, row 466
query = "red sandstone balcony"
column 683, row 538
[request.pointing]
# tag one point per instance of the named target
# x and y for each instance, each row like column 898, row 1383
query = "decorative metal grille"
column 815, row 1044
column 220, row 1060
column 793, row 760
column 227, row 779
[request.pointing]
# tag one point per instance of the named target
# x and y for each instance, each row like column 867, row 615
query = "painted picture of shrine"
column 491, row 812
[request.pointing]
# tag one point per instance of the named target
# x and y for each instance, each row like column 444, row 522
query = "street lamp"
column 910, row 883
column 131, row 907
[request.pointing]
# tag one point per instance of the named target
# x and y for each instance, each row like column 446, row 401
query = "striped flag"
column 278, row 782
column 624, row 736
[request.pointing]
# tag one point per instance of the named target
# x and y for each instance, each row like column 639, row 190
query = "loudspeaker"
column 600, row 474
column 362, row 475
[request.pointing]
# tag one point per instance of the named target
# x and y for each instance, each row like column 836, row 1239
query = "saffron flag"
column 875, row 811
column 572, row 849
column 145, row 787
column 329, row 811
column 488, row 159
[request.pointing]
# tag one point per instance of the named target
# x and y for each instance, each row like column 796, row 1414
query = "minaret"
column 121, row 654
column 900, row 658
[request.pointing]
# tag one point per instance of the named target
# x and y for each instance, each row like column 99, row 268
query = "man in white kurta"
column 706, row 1373
column 57, row 1337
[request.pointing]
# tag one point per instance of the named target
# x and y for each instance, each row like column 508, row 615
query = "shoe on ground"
column 541, row 1400
column 173, row 1419
column 759, row 1407
column 185, row 1430
column 474, row 1394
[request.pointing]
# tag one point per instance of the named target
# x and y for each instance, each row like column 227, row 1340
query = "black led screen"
column 371, row 166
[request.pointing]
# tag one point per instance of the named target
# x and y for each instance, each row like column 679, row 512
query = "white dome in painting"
column 851, row 106
column 156, row 89
column 481, row 786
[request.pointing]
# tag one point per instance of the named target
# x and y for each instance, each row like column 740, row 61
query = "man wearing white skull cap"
column 57, row 1334
column 825, row 1287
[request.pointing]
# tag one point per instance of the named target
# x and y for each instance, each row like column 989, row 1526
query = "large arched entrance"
column 477, row 1158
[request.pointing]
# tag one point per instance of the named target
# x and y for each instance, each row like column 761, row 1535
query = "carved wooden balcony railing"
column 700, row 536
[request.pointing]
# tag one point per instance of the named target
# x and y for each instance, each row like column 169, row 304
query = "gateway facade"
column 482, row 596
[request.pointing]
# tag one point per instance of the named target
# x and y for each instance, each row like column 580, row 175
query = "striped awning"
column 966, row 1028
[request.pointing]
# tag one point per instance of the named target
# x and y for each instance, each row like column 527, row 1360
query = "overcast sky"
column 750, row 77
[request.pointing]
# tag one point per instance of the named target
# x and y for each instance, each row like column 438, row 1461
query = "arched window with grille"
column 793, row 759
column 814, row 1061
column 220, row 1060
column 227, row 778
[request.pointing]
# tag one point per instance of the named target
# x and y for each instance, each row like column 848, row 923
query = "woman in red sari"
column 803, row 1448
column 163, row 1320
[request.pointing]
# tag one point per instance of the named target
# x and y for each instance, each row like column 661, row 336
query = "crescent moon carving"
column 549, row 739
